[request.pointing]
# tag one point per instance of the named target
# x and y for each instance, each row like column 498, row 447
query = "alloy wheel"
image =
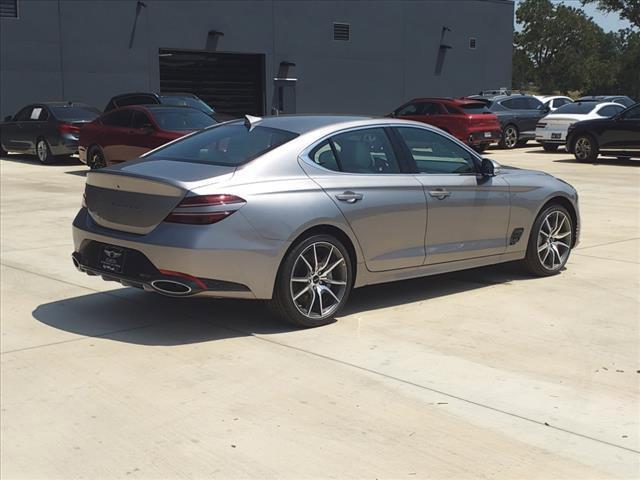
column 41, row 150
column 97, row 160
column 318, row 280
column 554, row 240
column 582, row 148
column 510, row 137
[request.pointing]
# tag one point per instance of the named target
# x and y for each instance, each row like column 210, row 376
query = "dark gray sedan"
column 46, row 130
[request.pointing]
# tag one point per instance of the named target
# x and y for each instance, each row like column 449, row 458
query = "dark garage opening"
column 229, row 82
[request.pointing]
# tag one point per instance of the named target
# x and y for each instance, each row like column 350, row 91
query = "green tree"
column 627, row 9
column 563, row 45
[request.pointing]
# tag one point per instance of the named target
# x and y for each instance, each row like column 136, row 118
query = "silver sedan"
column 299, row 210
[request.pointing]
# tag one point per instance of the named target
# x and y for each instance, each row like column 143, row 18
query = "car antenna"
column 250, row 121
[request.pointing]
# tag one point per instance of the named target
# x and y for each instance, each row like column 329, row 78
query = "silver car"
column 298, row 210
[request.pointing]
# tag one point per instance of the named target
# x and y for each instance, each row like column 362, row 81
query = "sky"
column 608, row 22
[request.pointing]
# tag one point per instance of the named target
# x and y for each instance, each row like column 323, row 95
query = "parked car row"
column 52, row 130
column 134, row 123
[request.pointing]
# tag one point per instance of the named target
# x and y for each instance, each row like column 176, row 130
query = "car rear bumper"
column 82, row 153
column 229, row 257
column 483, row 136
column 67, row 144
column 551, row 135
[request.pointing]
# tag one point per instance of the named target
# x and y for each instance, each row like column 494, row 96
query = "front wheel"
column 314, row 282
column 585, row 149
column 550, row 242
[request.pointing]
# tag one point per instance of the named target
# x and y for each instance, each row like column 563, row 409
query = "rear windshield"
column 75, row 114
column 188, row 102
column 577, row 107
column 475, row 108
column 229, row 145
column 182, row 119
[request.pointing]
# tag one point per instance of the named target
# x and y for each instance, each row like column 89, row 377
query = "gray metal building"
column 254, row 56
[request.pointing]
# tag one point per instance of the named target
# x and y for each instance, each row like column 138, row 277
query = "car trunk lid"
column 137, row 196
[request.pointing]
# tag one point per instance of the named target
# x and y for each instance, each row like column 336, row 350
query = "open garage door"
column 229, row 82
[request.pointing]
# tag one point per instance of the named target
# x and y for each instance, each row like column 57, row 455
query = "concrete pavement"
column 484, row 373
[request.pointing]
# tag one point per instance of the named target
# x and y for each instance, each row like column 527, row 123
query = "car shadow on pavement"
column 79, row 173
column 132, row 316
column 21, row 158
column 604, row 161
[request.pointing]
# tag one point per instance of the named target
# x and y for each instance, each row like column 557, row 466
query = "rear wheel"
column 550, row 147
column 314, row 282
column 43, row 152
column 585, row 148
column 95, row 158
column 3, row 152
column 550, row 241
column 509, row 137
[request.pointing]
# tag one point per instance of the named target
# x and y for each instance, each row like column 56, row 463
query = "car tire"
column 43, row 152
column 314, row 282
column 550, row 147
column 550, row 241
column 585, row 148
column 509, row 137
column 96, row 158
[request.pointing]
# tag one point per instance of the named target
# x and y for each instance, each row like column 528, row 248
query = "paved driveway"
column 484, row 373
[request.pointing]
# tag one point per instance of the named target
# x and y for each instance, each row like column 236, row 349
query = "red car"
column 468, row 120
column 128, row 132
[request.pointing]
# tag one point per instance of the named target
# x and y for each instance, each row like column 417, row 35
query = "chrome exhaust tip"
column 171, row 287
column 76, row 262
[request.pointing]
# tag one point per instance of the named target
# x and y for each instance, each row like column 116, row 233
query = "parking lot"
column 483, row 373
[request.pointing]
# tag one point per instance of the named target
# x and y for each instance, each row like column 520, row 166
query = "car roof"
column 63, row 104
column 179, row 94
column 305, row 123
column 152, row 107
column 454, row 101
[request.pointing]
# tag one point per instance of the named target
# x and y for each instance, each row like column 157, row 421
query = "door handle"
column 349, row 197
column 440, row 193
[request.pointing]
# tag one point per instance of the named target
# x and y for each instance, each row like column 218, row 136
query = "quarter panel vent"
column 342, row 31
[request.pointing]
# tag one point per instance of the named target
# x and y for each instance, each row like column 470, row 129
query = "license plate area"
column 112, row 259
column 556, row 136
column 487, row 134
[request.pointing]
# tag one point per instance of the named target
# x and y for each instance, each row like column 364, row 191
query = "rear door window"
column 323, row 155
column 365, row 151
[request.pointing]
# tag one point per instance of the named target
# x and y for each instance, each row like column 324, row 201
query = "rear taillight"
column 205, row 209
column 68, row 128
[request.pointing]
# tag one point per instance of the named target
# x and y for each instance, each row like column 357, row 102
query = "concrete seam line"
column 608, row 243
column 465, row 400
column 609, row 259
column 319, row 355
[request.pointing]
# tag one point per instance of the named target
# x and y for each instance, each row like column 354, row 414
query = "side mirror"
column 8, row 118
column 488, row 168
